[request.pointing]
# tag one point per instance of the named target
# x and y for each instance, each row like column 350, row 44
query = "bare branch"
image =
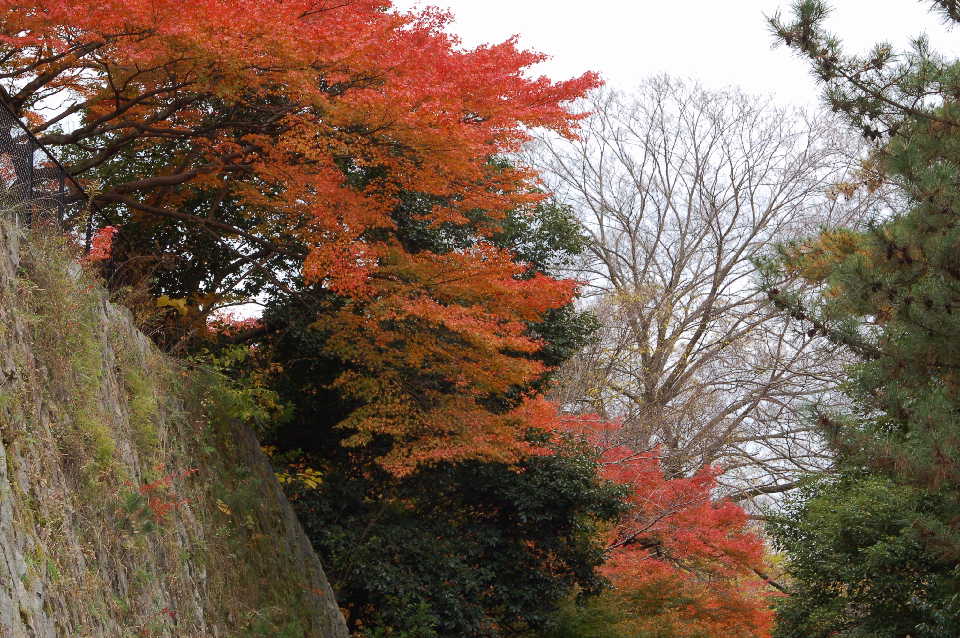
column 680, row 190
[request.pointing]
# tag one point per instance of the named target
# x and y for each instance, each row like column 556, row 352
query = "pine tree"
column 875, row 551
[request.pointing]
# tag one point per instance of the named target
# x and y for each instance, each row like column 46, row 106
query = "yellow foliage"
column 180, row 305
column 306, row 476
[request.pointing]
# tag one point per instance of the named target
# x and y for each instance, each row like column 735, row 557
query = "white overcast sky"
column 719, row 42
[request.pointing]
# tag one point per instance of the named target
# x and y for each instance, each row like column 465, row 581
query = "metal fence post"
column 32, row 185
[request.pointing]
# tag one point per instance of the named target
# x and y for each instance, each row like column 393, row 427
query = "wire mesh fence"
column 33, row 183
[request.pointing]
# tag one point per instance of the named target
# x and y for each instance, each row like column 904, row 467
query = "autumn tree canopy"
column 682, row 563
column 288, row 134
column 455, row 547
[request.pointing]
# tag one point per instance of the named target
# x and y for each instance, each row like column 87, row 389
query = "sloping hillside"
column 131, row 501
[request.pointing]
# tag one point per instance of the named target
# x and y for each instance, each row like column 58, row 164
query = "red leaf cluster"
column 101, row 244
column 685, row 563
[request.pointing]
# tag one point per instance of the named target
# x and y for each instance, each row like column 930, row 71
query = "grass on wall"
column 144, row 513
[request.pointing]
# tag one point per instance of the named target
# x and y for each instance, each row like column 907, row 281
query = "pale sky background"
column 718, row 42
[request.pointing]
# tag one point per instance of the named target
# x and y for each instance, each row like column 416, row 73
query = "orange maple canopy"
column 284, row 102
column 314, row 117
column 682, row 561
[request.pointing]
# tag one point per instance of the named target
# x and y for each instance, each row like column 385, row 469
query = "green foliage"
column 859, row 558
column 243, row 394
column 875, row 553
column 594, row 617
column 470, row 549
column 475, row 549
column 548, row 239
column 154, row 256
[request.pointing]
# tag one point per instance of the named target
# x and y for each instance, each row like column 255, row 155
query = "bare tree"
column 680, row 190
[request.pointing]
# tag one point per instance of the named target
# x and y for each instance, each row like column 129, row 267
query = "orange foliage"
column 681, row 561
column 302, row 87
column 316, row 116
column 432, row 341
column 815, row 259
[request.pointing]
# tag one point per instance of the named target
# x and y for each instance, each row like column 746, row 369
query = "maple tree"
column 279, row 140
column 681, row 562
column 312, row 115
column 454, row 547
column 452, row 357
